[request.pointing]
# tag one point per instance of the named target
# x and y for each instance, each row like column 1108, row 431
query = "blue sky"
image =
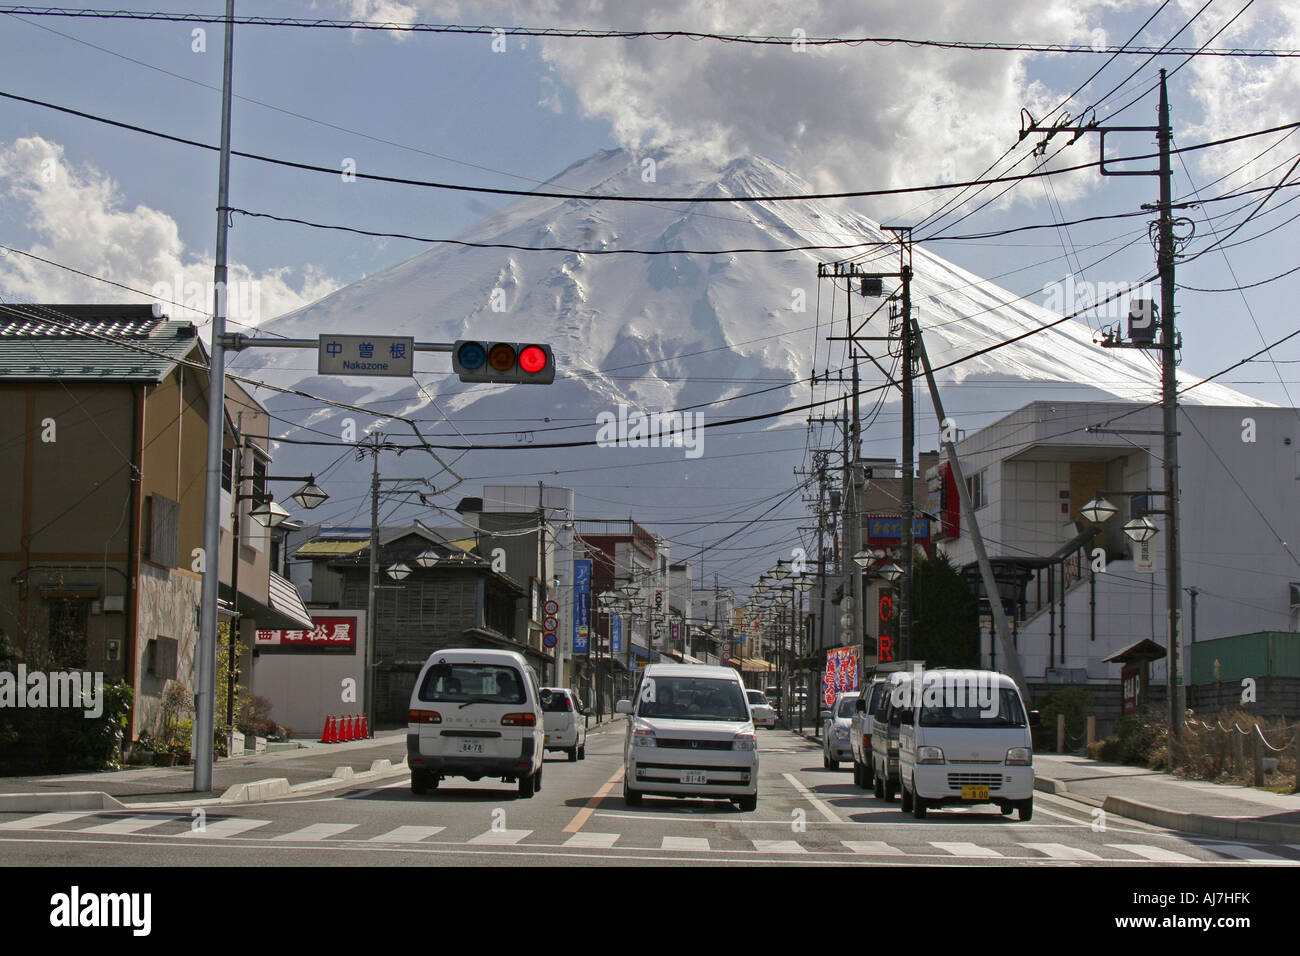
column 857, row 117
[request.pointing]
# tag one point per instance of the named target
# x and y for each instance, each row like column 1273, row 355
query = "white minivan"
column 475, row 713
column 965, row 737
column 690, row 734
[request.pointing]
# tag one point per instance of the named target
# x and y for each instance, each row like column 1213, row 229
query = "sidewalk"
column 1219, row 810
column 314, row 768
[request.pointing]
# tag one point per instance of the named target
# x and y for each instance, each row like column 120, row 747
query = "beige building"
column 104, row 412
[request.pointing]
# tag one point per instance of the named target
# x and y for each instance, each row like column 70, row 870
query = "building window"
column 67, row 633
column 978, row 492
column 227, row 468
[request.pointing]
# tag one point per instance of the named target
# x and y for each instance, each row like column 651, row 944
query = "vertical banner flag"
column 581, row 605
column 616, row 633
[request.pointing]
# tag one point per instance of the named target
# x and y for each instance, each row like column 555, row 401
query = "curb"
column 1222, row 827
column 261, row 791
column 80, row 800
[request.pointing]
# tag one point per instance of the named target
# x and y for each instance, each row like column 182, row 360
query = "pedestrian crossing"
column 170, row 825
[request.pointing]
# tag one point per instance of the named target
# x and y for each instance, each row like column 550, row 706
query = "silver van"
column 475, row 713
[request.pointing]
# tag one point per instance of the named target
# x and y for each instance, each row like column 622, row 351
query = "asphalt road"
column 806, row 816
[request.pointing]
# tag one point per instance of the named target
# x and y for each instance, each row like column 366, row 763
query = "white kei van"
column 475, row 713
column 965, row 737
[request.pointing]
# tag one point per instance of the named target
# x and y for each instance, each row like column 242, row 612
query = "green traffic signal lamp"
column 506, row 363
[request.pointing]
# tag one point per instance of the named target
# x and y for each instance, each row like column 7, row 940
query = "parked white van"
column 475, row 713
column 690, row 734
column 964, row 737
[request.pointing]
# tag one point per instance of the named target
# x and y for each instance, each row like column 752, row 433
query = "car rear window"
column 479, row 683
column 556, row 702
column 846, row 707
column 756, row 697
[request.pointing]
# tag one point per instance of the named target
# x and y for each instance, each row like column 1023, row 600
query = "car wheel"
column 1026, row 809
column 905, row 799
column 528, row 785
column 631, row 797
column 891, row 790
column 582, row 752
column 877, row 787
column 747, row 803
column 1005, row 809
column 573, row 754
column 857, row 774
column 826, row 760
column 918, row 806
column 832, row 763
column 420, row 782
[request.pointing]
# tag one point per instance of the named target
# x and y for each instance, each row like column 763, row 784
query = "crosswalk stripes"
column 779, row 846
column 135, row 824
column 684, row 843
column 229, row 827
column 1059, row 851
column 46, row 820
column 592, row 840
column 872, row 847
column 317, row 831
column 967, row 850
column 1154, row 853
column 499, row 837
column 407, row 834
column 1253, row 854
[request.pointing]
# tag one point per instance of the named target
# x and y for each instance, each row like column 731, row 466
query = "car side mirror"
column 906, row 715
column 623, row 707
column 860, row 706
column 826, row 715
column 1035, row 718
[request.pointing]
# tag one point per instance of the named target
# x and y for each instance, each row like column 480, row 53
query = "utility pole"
column 1168, row 346
column 206, row 659
column 904, row 234
column 371, row 625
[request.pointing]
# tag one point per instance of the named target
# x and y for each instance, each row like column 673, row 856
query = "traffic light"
column 512, row 363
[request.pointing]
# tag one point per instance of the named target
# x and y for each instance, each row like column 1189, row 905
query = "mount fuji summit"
column 726, row 336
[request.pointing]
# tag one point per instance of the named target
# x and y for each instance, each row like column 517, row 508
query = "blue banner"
column 616, row 633
column 581, row 605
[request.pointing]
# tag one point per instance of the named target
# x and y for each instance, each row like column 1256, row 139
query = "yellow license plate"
column 974, row 793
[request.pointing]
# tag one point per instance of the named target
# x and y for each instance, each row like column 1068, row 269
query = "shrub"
column 1074, row 703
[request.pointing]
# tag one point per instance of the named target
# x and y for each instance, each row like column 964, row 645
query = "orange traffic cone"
column 365, row 726
column 349, row 731
column 327, row 735
column 343, row 730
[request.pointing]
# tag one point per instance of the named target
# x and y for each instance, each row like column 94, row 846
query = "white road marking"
column 133, row 824
column 499, row 837
column 46, row 820
column 821, row 808
column 872, row 847
column 967, row 849
column 779, row 846
column 407, row 834
column 232, row 826
column 1154, row 853
column 1253, row 854
column 1059, row 851
column 590, row 839
column 317, row 831
column 684, row 843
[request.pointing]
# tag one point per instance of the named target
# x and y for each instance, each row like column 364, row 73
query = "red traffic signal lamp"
column 509, row 363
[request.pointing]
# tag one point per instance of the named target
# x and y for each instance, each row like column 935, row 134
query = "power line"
column 596, row 34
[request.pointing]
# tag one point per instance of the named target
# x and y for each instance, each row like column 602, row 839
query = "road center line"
column 582, row 816
column 822, row 808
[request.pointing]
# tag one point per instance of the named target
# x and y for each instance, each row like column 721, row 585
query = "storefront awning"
column 750, row 665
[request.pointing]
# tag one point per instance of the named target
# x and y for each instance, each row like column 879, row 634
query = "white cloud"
column 78, row 219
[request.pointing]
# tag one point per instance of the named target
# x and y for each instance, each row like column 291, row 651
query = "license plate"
column 471, row 746
column 694, row 776
column 974, row 793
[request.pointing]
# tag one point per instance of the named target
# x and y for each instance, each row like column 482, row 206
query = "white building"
column 1032, row 471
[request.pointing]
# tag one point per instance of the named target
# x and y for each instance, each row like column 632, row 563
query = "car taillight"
column 519, row 720
column 423, row 717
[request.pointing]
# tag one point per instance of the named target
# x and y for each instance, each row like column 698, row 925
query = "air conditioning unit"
column 1294, row 590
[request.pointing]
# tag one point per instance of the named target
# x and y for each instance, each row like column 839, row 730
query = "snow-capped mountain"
column 669, row 332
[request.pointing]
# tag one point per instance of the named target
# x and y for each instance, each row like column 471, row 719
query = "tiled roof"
column 70, row 342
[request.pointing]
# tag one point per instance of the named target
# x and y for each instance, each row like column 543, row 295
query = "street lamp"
column 891, row 572
column 399, row 571
column 1140, row 529
column 863, row 558
column 268, row 513
column 1098, row 510
column 310, row 495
